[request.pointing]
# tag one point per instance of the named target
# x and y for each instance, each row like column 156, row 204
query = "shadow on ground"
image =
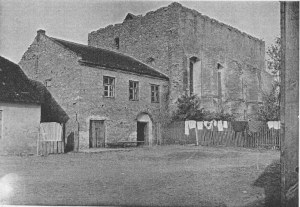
column 270, row 181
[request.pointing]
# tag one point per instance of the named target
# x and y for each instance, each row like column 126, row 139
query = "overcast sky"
column 74, row 19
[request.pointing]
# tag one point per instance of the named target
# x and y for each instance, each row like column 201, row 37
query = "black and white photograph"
column 149, row 103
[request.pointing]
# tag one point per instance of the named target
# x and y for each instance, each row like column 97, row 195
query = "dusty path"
column 157, row 176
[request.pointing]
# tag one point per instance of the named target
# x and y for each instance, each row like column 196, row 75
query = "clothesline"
column 208, row 124
column 238, row 126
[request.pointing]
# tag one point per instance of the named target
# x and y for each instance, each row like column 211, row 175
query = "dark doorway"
column 141, row 130
column 97, row 134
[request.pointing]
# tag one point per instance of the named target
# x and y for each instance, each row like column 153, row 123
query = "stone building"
column 20, row 110
column 219, row 63
column 107, row 96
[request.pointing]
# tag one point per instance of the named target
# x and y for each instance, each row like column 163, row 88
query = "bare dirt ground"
column 158, row 176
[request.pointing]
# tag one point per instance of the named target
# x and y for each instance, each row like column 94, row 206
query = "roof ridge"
column 102, row 49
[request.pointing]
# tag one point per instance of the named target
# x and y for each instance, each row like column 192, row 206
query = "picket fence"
column 265, row 137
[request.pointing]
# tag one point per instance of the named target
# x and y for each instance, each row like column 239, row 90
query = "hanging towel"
column 220, row 126
column 215, row 123
column 192, row 124
column 239, row 126
column 276, row 124
column 255, row 126
column 225, row 124
column 270, row 124
column 186, row 128
column 200, row 125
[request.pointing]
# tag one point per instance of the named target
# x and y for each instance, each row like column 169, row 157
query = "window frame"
column 110, row 87
column 154, row 93
column 134, row 89
column 48, row 83
column 117, row 42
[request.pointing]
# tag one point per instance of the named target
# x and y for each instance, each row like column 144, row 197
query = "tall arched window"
column 195, row 76
column 117, row 42
column 219, row 68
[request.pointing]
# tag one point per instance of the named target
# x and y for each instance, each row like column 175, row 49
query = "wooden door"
column 97, row 133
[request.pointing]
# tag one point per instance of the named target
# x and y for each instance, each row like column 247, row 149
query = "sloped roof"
column 15, row 86
column 106, row 58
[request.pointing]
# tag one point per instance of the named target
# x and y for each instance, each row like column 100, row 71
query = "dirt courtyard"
column 158, row 176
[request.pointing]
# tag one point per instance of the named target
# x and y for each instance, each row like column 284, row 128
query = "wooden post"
column 196, row 131
column 38, row 142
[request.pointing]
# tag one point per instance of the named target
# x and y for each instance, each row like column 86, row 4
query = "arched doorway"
column 144, row 129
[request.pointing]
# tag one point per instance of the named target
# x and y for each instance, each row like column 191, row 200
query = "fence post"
column 196, row 131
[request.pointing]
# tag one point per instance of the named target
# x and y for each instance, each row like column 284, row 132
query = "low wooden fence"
column 265, row 137
column 50, row 141
column 50, row 147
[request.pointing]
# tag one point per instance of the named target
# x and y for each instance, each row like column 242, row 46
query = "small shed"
column 24, row 104
column 20, row 110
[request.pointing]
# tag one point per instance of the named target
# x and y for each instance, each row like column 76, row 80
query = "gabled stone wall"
column 78, row 89
column 172, row 36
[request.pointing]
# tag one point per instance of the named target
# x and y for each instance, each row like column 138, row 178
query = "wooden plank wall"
column 51, row 147
column 268, row 138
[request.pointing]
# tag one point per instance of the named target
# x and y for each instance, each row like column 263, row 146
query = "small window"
column 133, row 90
column 154, row 93
column 48, row 83
column 117, row 42
column 109, row 86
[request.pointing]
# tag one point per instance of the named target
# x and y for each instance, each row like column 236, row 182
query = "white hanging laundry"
column 186, row 128
column 276, row 124
column 200, row 125
column 220, row 126
column 270, row 124
column 205, row 123
column 225, row 124
column 208, row 124
column 215, row 123
column 192, row 124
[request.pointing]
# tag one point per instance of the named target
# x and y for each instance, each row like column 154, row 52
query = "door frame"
column 97, row 118
column 146, row 118
column 145, row 131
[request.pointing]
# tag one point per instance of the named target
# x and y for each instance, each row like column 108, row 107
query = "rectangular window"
column 154, row 93
column 48, row 83
column 133, row 90
column 109, row 86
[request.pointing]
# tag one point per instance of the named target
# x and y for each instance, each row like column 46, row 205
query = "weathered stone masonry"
column 78, row 88
column 227, row 63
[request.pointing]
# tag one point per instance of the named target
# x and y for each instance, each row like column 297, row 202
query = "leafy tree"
column 270, row 110
column 188, row 108
column 274, row 56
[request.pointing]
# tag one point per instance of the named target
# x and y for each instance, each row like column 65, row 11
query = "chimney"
column 40, row 31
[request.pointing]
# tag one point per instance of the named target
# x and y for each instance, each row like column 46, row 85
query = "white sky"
column 74, row 19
